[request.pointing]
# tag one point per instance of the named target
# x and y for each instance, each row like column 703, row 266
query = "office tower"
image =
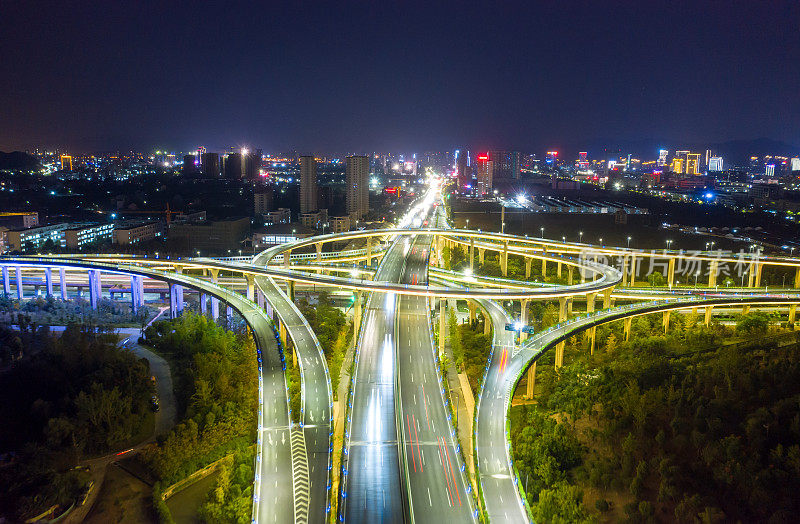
column 686, row 163
column 551, row 159
column 795, row 164
column 715, row 163
column 233, row 166
column 583, row 160
column 662, row 157
column 308, row 184
column 357, row 171
column 463, row 169
column 251, row 164
column 506, row 164
column 770, row 170
column 484, row 170
column 66, row 163
column 189, row 164
column 210, row 164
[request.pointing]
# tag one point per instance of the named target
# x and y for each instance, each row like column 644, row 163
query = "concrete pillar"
column 214, row 275
column 523, row 317
column 369, row 250
column 707, row 315
column 282, row 334
column 531, row 380
column 590, row 302
column 751, row 274
column 487, row 324
column 472, row 313
column 356, row 317
column 6, row 282
column 260, row 298
column 137, row 297
column 95, row 287
column 319, row 251
column 558, row 270
column 48, row 281
column 481, row 253
column 62, row 282
column 592, row 337
column 745, row 310
column 562, row 309
column 797, row 277
column 504, row 259
column 626, row 327
column 759, row 267
column 287, row 255
column 228, row 316
column 633, row 270
column 528, row 263
column 607, row 297
column 442, row 325
column 712, row 273
column 18, row 271
column 203, row 304
column 544, row 270
column 251, row 286
column 624, row 270
column 214, row 309
column 569, row 276
column 666, row 320
column 175, row 300
column 290, row 289
column 570, row 303
column 792, row 312
column 560, row 354
column 472, row 257
column 671, row 272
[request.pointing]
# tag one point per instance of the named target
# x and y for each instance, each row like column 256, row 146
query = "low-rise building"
column 137, row 232
column 339, row 224
column 212, row 236
column 282, row 215
column 278, row 234
column 20, row 220
column 315, row 219
column 79, row 236
column 25, row 239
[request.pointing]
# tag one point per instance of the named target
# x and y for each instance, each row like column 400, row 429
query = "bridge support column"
column 228, row 316
column 369, row 250
column 472, row 314
column 62, row 282
column 472, row 256
column 290, row 289
column 487, row 324
column 569, row 276
column 251, row 286
column 624, row 271
column 356, row 317
column 282, row 335
column 214, row 309
column 481, row 254
column 137, row 293
column 203, row 304
column 570, row 303
column 287, row 255
column 214, row 275
column 558, row 270
column 528, row 263
column 48, row 281
column 531, row 380
column 633, row 271
column 671, row 272
column 6, row 282
column 442, row 325
column 707, row 315
column 175, row 300
column 626, row 327
column 562, row 309
column 504, row 259
column 319, row 252
column 95, row 288
column 590, row 298
column 666, row 320
column 18, row 271
column 759, row 267
column 797, row 277
column 560, row 354
column 592, row 337
column 607, row 297
column 712, row 273
column 745, row 310
column 751, row 274
column 260, row 299
column 792, row 312
column 544, row 270
column 523, row 318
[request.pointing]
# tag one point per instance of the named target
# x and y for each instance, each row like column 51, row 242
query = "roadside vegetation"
column 471, row 350
column 56, row 312
column 215, row 374
column 62, row 400
column 700, row 424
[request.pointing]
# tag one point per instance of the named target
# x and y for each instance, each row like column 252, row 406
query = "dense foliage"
column 470, row 350
column 54, row 311
column 231, row 499
column 69, row 397
column 216, row 386
column 332, row 330
column 702, row 423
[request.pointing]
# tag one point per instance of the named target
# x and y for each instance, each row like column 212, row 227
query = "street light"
column 580, row 236
column 542, row 230
column 629, row 242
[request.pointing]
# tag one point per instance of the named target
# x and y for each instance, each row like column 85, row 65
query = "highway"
column 372, row 489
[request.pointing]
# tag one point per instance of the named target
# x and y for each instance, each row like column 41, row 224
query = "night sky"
column 374, row 76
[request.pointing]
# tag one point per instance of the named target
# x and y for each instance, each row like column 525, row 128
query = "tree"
column 656, row 279
column 753, row 324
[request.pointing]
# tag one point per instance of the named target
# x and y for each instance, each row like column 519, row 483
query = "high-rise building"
column 686, row 163
column 66, row 163
column 463, row 169
column 251, row 164
column 308, row 184
column 210, row 164
column 357, row 171
column 233, row 166
column 189, row 164
column 583, row 160
column 770, row 171
column 795, row 164
column 506, row 164
column 715, row 163
column 662, row 157
column 484, row 171
column 262, row 201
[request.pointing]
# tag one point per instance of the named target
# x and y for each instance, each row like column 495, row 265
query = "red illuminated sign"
column 483, row 157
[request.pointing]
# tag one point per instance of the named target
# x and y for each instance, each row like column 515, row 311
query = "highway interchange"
column 401, row 460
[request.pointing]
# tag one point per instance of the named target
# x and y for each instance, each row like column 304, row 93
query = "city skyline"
column 508, row 77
